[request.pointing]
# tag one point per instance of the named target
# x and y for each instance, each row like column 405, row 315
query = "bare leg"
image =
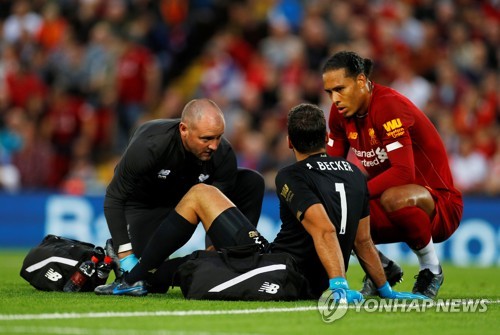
column 203, row 203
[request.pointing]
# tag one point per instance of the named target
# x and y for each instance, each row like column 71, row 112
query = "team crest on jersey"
column 373, row 137
column 394, row 128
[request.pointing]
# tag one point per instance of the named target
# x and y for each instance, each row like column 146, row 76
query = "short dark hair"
column 306, row 128
column 351, row 62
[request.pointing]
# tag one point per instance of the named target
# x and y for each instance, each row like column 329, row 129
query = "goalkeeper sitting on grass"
column 323, row 209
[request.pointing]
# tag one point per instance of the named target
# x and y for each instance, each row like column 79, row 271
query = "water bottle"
column 103, row 269
column 76, row 282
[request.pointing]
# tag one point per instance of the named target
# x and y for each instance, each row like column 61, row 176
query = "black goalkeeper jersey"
column 156, row 171
column 337, row 184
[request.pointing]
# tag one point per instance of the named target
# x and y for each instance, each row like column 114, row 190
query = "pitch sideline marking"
column 151, row 313
column 85, row 331
column 57, row 316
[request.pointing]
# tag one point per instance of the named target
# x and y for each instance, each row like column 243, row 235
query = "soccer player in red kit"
column 412, row 197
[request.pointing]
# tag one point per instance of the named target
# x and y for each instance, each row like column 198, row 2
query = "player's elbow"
column 363, row 239
column 324, row 233
column 362, row 242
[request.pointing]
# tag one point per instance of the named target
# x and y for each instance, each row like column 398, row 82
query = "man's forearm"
column 370, row 262
column 330, row 254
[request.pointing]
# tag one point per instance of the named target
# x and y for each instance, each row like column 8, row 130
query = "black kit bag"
column 49, row 265
column 241, row 273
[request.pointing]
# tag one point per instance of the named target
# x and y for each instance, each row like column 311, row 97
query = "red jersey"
column 132, row 73
column 395, row 142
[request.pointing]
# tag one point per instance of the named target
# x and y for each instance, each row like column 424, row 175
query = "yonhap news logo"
column 331, row 308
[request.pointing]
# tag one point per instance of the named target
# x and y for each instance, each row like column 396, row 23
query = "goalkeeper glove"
column 385, row 291
column 341, row 290
column 127, row 263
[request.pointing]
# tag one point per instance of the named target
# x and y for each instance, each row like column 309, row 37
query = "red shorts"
column 448, row 213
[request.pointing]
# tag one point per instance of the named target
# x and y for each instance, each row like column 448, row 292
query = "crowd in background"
column 77, row 76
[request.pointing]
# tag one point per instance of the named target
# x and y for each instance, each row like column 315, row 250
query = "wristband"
column 338, row 282
column 124, row 247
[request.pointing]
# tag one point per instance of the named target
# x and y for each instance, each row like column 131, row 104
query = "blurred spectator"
column 281, row 45
column 289, row 11
column 22, row 21
column 52, row 28
column 82, row 73
column 469, row 167
column 82, row 175
column 23, row 85
column 413, row 86
column 136, row 84
column 221, row 78
column 68, row 118
column 338, row 20
column 65, row 64
column 11, row 141
column 474, row 111
column 35, row 157
column 97, row 63
column 87, row 15
column 493, row 179
column 450, row 85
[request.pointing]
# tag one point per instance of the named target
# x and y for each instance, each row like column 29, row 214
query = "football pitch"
column 24, row 310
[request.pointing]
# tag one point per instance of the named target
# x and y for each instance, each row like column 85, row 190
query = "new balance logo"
column 202, row 177
column 269, row 288
column 163, row 174
column 53, row 275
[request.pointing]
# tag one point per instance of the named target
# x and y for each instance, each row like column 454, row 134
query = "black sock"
column 172, row 234
column 165, row 277
column 231, row 228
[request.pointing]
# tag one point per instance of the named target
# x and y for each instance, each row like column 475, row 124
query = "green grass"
column 17, row 298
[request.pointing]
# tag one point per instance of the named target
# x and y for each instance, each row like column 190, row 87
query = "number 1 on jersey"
column 339, row 187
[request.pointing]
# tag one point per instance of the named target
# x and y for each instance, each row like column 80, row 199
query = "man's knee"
column 393, row 199
column 200, row 189
column 399, row 197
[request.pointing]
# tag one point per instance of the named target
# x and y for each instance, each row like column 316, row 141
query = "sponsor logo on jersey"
column 352, row 135
column 393, row 124
column 394, row 128
column 371, row 158
column 202, row 177
column 53, row 275
column 286, row 193
column 253, row 233
column 270, row 288
column 162, row 174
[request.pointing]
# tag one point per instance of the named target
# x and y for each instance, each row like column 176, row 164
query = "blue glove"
column 385, row 291
column 341, row 290
column 127, row 263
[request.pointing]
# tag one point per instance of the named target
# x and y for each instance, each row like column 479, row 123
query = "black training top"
column 341, row 187
column 156, row 170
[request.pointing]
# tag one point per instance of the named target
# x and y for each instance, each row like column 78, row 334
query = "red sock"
column 414, row 224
